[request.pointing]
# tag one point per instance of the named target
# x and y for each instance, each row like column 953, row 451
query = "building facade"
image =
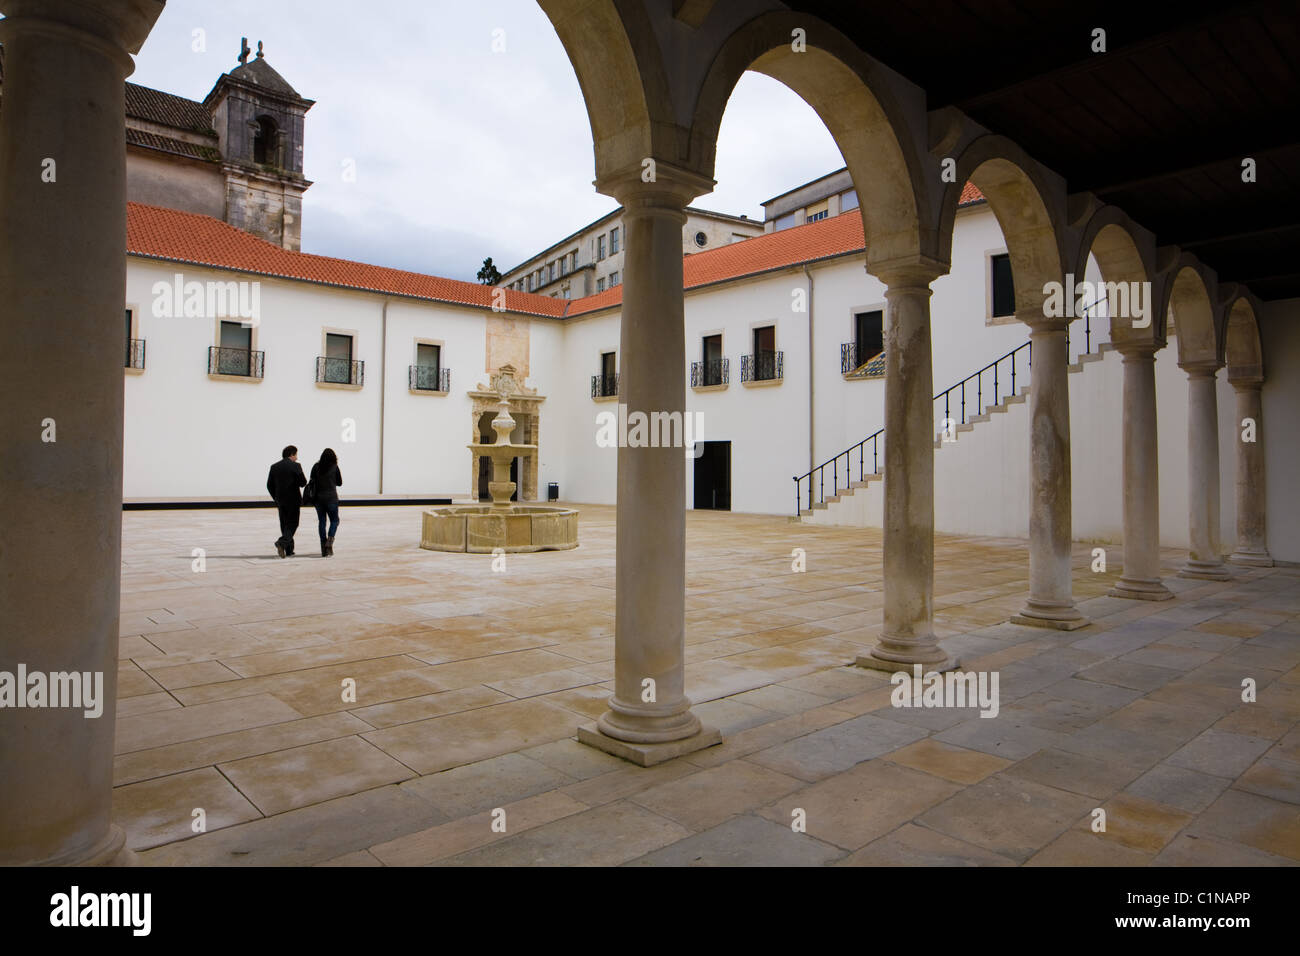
column 591, row 260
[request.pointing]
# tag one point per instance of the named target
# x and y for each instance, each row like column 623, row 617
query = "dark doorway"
column 485, row 475
column 713, row 477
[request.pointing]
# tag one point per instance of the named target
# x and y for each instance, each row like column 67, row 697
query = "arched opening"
column 1190, row 319
column 266, row 142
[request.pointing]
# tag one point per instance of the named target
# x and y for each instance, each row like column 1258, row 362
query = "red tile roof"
column 170, row 234
column 175, row 236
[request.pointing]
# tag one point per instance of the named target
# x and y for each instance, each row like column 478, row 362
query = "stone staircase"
column 1021, row 394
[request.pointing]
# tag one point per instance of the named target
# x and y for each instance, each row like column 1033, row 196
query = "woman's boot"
column 329, row 545
column 324, row 548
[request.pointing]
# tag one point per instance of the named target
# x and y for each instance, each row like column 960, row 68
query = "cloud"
column 460, row 153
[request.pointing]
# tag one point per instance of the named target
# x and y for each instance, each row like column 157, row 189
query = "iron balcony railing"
column 135, row 353
column 604, row 386
column 339, row 371
column 228, row 361
column 711, row 372
column 851, row 360
column 430, row 378
column 762, row 366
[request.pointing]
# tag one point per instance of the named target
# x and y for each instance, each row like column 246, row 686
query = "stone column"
column 1141, row 577
column 1205, row 557
column 1251, row 540
column 63, row 282
column 907, row 637
column 649, row 718
column 1051, row 601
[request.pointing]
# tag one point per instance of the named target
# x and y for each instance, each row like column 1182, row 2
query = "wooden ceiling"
column 1158, row 125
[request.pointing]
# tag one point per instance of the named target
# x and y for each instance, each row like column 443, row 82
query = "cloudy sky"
column 459, row 152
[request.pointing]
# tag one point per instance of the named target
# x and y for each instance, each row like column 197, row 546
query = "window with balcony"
column 605, row 385
column 234, row 353
column 134, row 346
column 427, row 374
column 712, row 370
column 765, row 363
column 336, row 366
column 868, row 341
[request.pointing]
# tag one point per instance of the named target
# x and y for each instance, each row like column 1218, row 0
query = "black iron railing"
column 430, row 378
column 339, row 371
column 762, row 366
column 135, row 353
column 998, row 376
column 712, row 372
column 848, row 357
column 604, row 386
column 228, row 361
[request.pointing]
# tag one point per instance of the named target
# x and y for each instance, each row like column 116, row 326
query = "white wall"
column 1280, row 342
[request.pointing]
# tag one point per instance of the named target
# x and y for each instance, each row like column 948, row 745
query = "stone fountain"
column 482, row 529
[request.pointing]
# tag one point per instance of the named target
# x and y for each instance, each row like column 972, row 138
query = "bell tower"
column 259, row 120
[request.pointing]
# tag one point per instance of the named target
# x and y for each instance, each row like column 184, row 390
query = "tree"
column 489, row 275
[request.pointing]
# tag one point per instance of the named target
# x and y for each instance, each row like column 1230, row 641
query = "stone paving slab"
column 469, row 686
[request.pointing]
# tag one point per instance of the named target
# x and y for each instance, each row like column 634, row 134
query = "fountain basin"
column 481, row 529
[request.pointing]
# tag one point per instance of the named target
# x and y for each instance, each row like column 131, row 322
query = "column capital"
column 1138, row 351
column 914, row 272
column 117, row 27
column 1041, row 324
column 654, row 185
column 1246, row 377
column 1201, row 369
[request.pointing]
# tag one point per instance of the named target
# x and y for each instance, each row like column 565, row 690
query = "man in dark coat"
column 283, row 482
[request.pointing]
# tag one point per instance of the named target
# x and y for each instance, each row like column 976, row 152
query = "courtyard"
column 393, row 706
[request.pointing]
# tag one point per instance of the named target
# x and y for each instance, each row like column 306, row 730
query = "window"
column 613, row 241
column 530, row 282
column 783, row 222
column 600, row 248
column 605, row 385
column 701, row 240
column 713, row 373
column 613, row 278
column 265, row 137
column 134, row 346
column 233, row 354
column 1003, row 297
column 600, row 284
column 764, row 365
column 427, row 374
column 336, row 364
column 818, row 215
column 869, row 334
column 849, row 200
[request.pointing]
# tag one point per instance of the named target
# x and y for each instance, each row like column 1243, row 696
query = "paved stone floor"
column 470, row 684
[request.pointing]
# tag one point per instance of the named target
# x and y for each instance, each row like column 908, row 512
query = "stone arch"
column 1190, row 305
column 861, row 103
column 1029, row 208
column 1242, row 351
column 1124, row 254
column 626, row 94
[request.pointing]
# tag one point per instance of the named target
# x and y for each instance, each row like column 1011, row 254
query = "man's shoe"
column 279, row 549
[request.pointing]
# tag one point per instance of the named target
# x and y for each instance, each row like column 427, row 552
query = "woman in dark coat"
column 327, row 477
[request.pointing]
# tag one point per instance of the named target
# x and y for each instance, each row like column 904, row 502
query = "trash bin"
column 553, row 491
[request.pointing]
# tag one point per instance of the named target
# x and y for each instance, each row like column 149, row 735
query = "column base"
column 1140, row 589
column 648, row 754
column 1253, row 559
column 944, row 662
column 1062, row 617
column 1205, row 571
column 110, row 851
